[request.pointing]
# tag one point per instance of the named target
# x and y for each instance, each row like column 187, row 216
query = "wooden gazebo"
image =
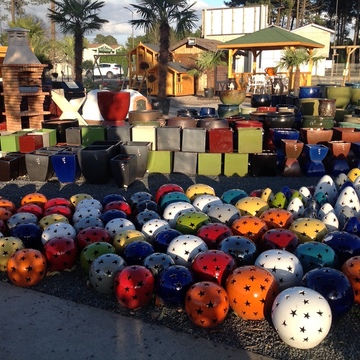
column 270, row 38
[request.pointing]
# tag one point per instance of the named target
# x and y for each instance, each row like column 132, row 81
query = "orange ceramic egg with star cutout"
column 277, row 218
column 351, row 269
column 251, row 290
column 251, row 227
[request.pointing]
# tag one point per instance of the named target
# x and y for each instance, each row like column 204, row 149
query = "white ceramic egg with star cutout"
column 328, row 187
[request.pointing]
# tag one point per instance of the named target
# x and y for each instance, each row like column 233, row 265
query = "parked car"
column 107, row 70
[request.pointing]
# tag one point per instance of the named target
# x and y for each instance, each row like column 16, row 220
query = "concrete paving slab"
column 38, row 326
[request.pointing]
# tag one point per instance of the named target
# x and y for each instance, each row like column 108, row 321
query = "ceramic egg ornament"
column 327, row 186
column 174, row 210
column 341, row 179
column 347, row 197
column 301, row 316
column 296, row 207
column 204, row 202
column 56, row 230
column 283, row 265
column 226, row 214
column 308, row 229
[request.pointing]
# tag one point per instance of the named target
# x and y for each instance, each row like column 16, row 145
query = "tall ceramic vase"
column 113, row 106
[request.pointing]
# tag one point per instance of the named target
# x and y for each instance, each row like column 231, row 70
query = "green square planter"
column 209, row 164
column 89, row 134
column 249, row 140
column 236, row 164
column 10, row 142
column 160, row 162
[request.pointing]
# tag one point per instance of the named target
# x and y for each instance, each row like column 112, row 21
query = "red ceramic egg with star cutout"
column 91, row 235
column 251, row 291
column 283, row 239
column 213, row 265
column 61, row 253
column 58, row 202
column 206, row 304
column 118, row 205
column 5, row 214
column 249, row 226
column 134, row 286
column 32, row 209
column 59, row 210
column 165, row 189
column 213, row 234
column 277, row 218
column 351, row 269
column 26, row 267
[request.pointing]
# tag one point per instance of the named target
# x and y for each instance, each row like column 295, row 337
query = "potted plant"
column 291, row 59
column 207, row 61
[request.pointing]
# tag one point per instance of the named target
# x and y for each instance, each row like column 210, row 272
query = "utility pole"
column 132, row 26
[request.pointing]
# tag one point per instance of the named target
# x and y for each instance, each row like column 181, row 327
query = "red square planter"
column 220, row 141
column 30, row 142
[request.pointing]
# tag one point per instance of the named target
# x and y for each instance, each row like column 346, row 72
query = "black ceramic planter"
column 264, row 163
column 258, row 100
column 121, row 133
column 95, row 163
column 123, row 169
column 60, row 126
column 21, row 162
column 38, row 164
column 141, row 150
column 9, row 168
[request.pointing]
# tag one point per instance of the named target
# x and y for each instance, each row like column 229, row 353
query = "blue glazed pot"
column 310, row 92
column 66, row 166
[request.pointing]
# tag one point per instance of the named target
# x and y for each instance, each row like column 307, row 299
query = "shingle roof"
column 270, row 38
column 154, row 47
column 206, row 44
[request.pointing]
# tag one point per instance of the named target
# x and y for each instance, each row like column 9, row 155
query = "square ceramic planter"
column 89, row 134
column 236, row 164
column 220, row 140
column 160, row 162
column 120, row 133
column 73, row 136
column 144, row 133
column 95, row 163
column 250, row 140
column 30, row 142
column 185, row 162
column 123, row 169
column 60, row 126
column 209, row 164
column 264, row 163
column 38, row 165
column 66, row 166
column 48, row 136
column 114, row 143
column 10, row 142
column 9, row 168
column 21, row 162
column 141, row 150
column 168, row 138
column 346, row 134
column 193, row 140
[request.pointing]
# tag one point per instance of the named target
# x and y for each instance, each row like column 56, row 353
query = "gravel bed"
column 255, row 336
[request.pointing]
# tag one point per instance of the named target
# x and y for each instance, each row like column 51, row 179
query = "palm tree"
column 77, row 17
column 159, row 14
column 292, row 58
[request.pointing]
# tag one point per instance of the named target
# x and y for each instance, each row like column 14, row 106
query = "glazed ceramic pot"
column 279, row 119
column 258, row 100
column 327, row 107
column 310, row 121
column 339, row 148
column 207, row 111
column 316, row 152
column 141, row 116
column 309, row 106
column 342, row 94
column 279, row 134
column 232, row 97
column 225, row 111
column 309, row 92
column 355, row 94
column 212, row 123
column 188, row 112
column 66, row 166
column 182, row 121
column 266, row 109
column 315, row 136
column 257, row 116
column 350, row 135
column 113, row 106
column 292, row 148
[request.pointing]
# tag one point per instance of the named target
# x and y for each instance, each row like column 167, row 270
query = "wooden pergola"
column 270, row 38
column 349, row 50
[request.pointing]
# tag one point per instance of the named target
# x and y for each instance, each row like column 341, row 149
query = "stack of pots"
column 317, row 111
column 230, row 102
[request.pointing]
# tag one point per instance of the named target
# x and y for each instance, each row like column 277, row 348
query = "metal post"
column 132, row 26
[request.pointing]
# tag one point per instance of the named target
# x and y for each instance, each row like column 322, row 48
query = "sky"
column 118, row 16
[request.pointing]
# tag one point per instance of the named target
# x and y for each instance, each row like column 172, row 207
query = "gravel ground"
column 255, row 336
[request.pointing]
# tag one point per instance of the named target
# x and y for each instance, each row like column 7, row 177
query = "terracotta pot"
column 315, row 136
column 346, row 134
column 327, row 107
column 232, row 97
column 342, row 94
column 270, row 71
column 113, row 106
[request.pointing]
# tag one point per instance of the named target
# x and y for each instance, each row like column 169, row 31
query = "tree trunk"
column 297, row 81
column 78, row 51
column 163, row 58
